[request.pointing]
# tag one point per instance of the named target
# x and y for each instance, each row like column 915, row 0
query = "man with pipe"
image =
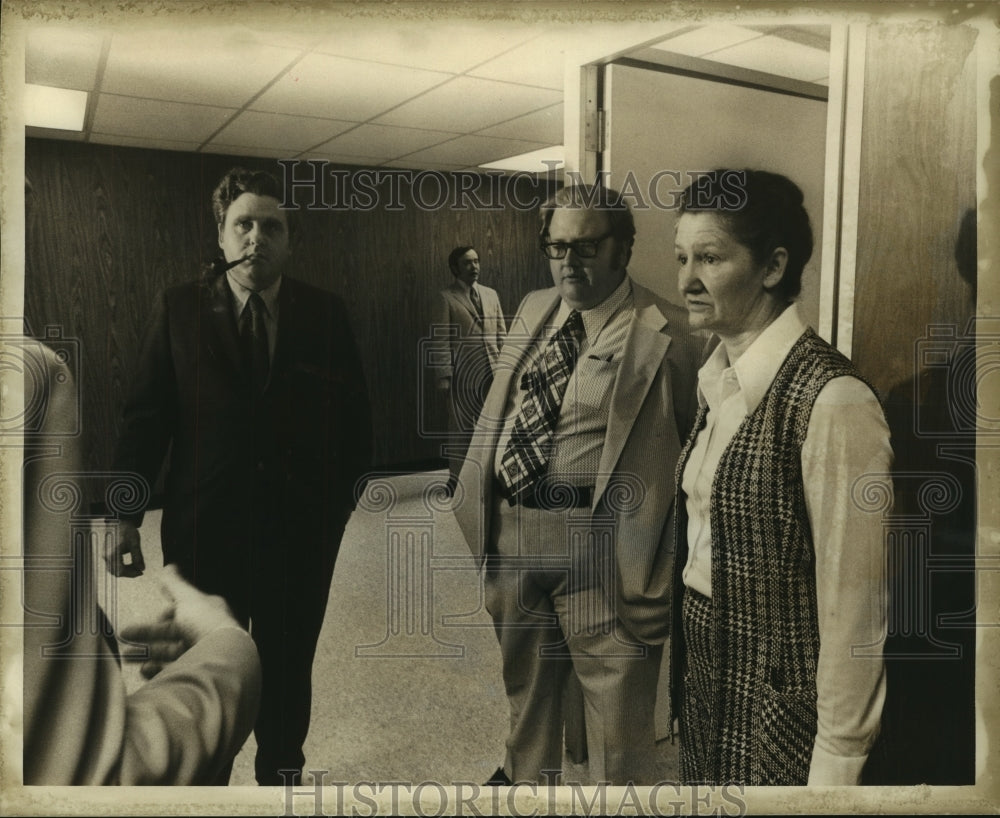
column 252, row 381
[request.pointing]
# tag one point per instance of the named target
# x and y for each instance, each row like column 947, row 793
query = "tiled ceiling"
column 441, row 94
column 796, row 52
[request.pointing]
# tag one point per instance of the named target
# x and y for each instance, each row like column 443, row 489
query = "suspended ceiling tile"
column 541, row 126
column 539, row 62
column 156, row 119
column 63, row 57
column 474, row 150
column 818, row 36
column 343, row 158
column 299, row 35
column 706, row 39
column 198, row 65
column 775, row 55
column 439, row 45
column 321, row 85
column 409, row 164
column 384, row 140
column 144, row 142
column 243, row 150
column 543, row 160
column 293, row 134
column 466, row 104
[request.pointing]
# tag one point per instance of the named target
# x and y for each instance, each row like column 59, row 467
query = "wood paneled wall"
column 914, row 295
column 108, row 227
column 918, row 185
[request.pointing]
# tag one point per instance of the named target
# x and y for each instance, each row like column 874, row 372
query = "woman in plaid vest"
column 777, row 665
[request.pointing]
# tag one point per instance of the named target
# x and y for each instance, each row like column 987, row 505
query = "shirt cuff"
column 829, row 770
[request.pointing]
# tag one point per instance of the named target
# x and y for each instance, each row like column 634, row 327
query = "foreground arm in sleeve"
column 201, row 704
column 848, row 439
column 79, row 725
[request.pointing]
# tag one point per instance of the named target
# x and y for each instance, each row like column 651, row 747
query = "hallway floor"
column 407, row 683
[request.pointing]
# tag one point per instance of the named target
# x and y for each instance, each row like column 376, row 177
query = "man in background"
column 568, row 494
column 473, row 317
column 253, row 382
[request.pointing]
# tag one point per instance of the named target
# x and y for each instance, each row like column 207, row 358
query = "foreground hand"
column 191, row 616
column 124, row 557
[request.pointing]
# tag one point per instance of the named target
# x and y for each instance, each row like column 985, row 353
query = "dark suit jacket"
column 283, row 466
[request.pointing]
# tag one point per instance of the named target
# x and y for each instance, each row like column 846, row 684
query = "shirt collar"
column 241, row 294
column 758, row 365
column 596, row 318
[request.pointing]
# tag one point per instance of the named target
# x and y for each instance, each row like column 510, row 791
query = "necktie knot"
column 256, row 305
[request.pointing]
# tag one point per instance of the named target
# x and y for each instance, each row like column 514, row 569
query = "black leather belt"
column 551, row 496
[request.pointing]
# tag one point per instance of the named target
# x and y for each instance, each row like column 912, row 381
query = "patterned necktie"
column 253, row 335
column 527, row 454
column 476, row 301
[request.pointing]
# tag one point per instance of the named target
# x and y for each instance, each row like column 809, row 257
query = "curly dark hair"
column 243, row 180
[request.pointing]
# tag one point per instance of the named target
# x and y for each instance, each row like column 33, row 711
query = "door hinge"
column 594, row 137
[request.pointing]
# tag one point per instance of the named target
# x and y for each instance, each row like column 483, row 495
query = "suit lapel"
column 462, row 299
column 521, row 338
column 519, row 341
column 220, row 317
column 287, row 320
column 645, row 347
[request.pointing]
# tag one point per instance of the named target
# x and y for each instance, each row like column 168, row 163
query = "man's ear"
column 220, row 226
column 775, row 268
column 624, row 254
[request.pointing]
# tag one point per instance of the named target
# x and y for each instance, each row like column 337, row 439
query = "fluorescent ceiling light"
column 540, row 161
column 61, row 108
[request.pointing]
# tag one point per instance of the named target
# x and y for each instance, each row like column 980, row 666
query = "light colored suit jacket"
column 80, row 726
column 476, row 341
column 652, row 407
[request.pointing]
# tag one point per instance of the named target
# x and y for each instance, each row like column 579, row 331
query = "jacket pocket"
column 786, row 729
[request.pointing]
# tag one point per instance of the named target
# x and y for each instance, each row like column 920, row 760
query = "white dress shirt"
column 847, row 437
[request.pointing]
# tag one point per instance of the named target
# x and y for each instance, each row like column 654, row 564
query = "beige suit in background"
column 468, row 358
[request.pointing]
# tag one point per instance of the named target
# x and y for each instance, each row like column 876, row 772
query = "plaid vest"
column 764, row 615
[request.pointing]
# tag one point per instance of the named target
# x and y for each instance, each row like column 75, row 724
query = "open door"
column 668, row 116
column 883, row 137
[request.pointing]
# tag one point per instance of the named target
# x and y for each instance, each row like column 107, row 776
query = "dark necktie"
column 476, row 301
column 253, row 335
column 526, row 457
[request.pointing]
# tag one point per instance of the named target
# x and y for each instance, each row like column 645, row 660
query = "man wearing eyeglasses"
column 569, row 487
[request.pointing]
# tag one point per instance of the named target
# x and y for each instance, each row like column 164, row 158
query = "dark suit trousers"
column 278, row 586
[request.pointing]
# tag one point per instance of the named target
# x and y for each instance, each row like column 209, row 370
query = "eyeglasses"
column 582, row 248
